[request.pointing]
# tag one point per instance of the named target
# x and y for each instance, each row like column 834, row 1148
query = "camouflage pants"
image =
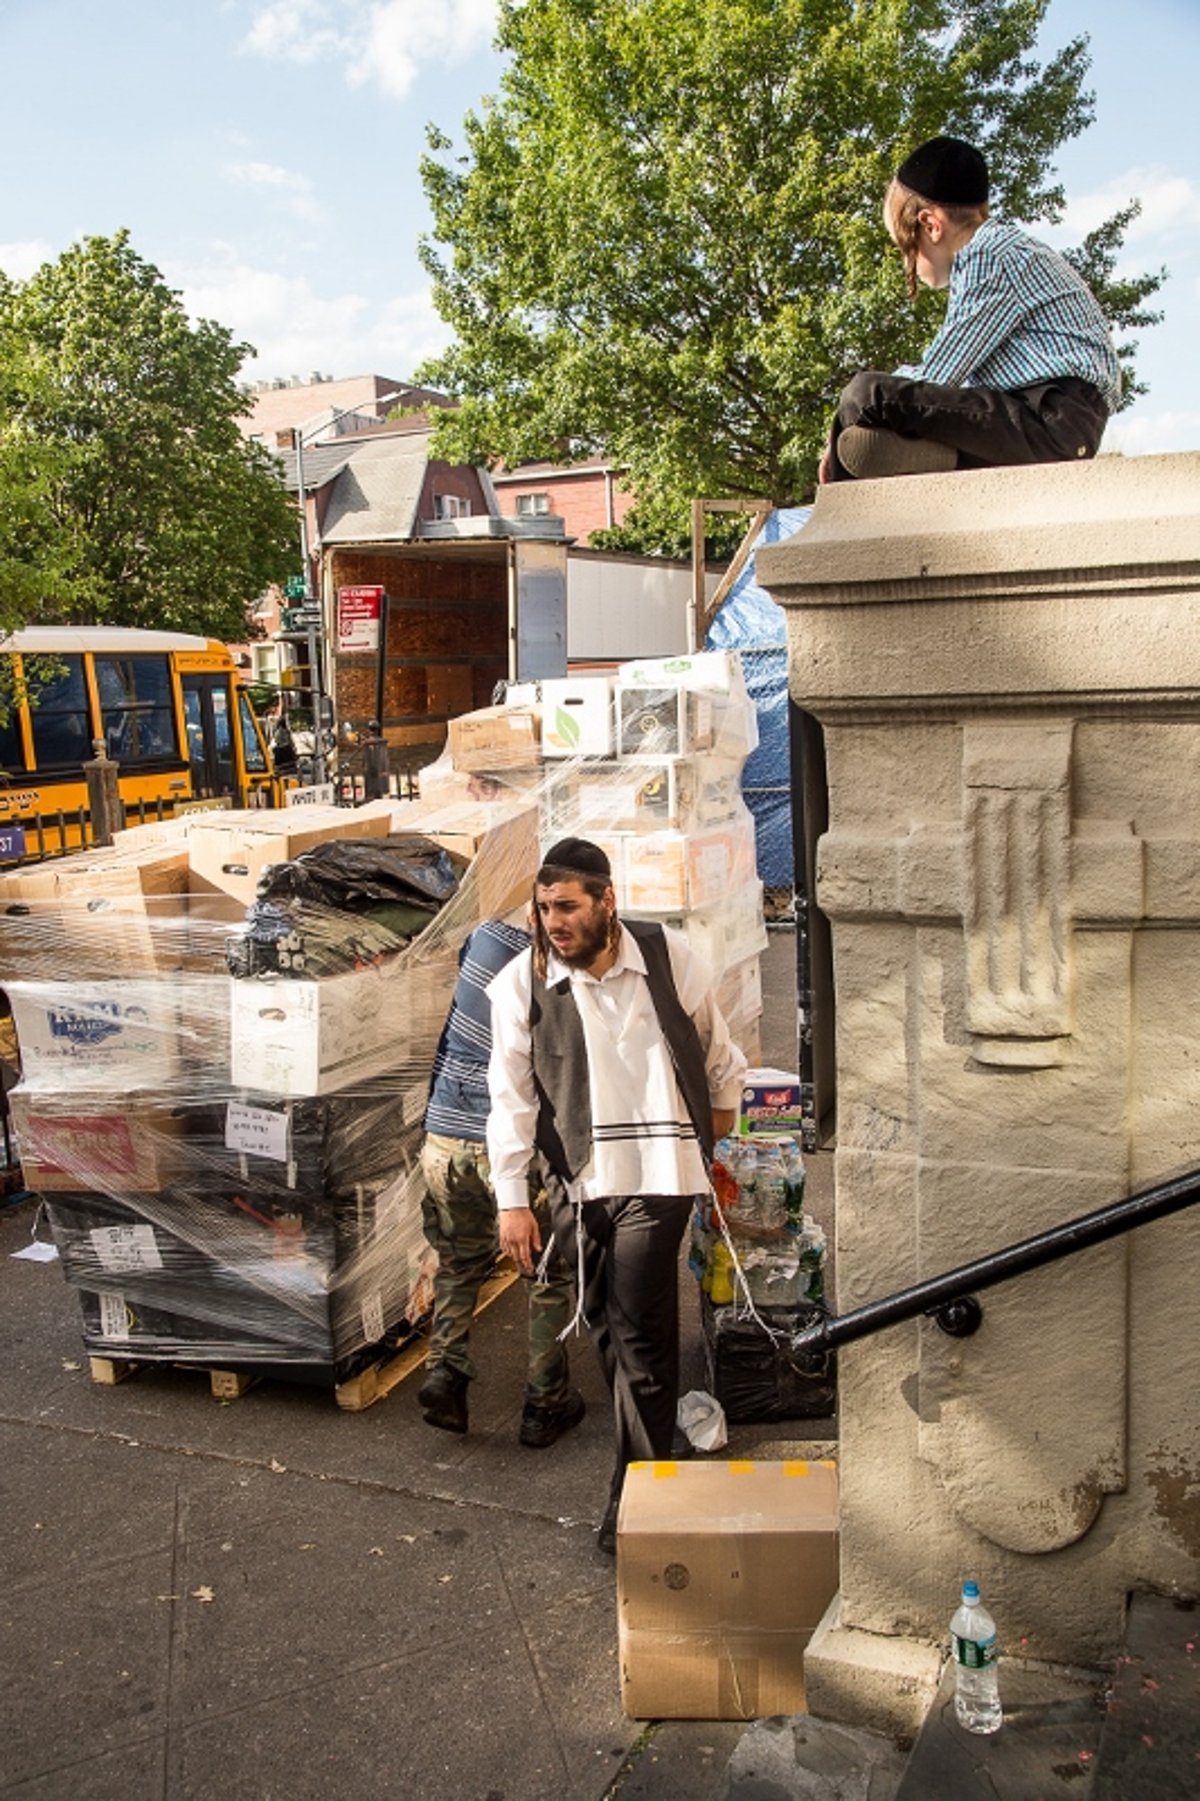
column 459, row 1217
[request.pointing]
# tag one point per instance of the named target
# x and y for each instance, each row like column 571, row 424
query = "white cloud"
column 387, row 42
column 1153, row 434
column 401, row 36
column 20, row 259
column 1170, row 204
column 297, row 31
column 296, row 189
column 296, row 329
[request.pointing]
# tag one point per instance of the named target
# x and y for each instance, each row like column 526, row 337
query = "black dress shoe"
column 544, row 1422
column 606, row 1533
column 442, row 1398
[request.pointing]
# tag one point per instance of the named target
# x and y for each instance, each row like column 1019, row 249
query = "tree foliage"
column 663, row 238
column 127, row 494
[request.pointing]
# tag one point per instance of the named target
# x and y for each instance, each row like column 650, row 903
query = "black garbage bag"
column 342, row 906
column 351, row 873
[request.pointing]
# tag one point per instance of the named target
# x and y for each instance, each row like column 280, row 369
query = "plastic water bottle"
column 973, row 1647
column 771, row 1187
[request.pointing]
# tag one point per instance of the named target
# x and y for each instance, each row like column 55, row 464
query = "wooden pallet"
column 356, row 1394
column 226, row 1385
column 371, row 1385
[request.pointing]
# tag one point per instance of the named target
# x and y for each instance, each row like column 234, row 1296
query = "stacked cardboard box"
column 230, row 1163
column 724, row 1571
column 645, row 761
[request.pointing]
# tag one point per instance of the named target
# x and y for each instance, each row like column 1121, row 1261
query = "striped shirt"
column 1018, row 314
column 458, row 1089
column 643, row 1138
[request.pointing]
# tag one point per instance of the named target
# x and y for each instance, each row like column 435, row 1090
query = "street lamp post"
column 317, row 636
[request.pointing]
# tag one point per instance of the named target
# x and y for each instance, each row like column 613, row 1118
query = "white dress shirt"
column 643, row 1139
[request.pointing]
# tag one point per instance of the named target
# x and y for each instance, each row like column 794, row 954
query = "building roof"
column 321, row 463
column 377, row 494
column 531, row 472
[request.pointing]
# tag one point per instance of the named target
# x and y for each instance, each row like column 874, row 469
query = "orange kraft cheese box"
column 723, row 1573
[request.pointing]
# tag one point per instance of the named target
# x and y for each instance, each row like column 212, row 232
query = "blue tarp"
column 750, row 621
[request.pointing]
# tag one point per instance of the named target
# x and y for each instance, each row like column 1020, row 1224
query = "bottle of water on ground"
column 973, row 1647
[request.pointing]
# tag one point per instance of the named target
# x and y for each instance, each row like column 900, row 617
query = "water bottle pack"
column 756, row 1228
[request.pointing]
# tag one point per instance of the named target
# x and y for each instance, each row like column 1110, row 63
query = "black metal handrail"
column 950, row 1298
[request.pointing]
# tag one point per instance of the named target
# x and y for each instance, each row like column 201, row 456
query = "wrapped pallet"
column 221, row 1104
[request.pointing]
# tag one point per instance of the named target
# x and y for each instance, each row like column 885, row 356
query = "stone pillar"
column 1006, row 665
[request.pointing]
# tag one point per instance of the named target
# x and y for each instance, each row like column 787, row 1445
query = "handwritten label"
column 121, row 1249
column 321, row 794
column 372, row 1317
column 258, row 1131
column 114, row 1316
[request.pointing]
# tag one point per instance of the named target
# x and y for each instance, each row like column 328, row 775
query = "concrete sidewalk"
column 270, row 1598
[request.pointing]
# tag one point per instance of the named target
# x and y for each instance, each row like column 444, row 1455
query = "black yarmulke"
column 946, row 171
column 579, row 855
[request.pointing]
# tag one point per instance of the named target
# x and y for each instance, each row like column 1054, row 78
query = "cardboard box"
column 651, row 794
column 671, row 872
column 723, row 1573
column 728, row 933
column 497, row 838
column 702, row 671
column 298, row 1037
column 69, row 1140
column 228, row 852
column 96, row 914
column 663, row 722
column 770, row 1103
column 99, row 1036
column 577, row 716
column 495, row 738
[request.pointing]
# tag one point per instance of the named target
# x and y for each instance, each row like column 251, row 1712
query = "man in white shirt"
column 611, row 1060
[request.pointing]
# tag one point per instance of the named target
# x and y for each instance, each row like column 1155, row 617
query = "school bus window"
column 12, row 746
column 135, row 706
column 62, row 736
column 252, row 750
column 222, row 740
column 193, row 713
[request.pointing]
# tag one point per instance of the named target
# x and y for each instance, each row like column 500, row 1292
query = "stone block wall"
column 1006, row 665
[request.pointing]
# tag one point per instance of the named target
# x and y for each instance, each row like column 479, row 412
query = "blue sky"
column 263, row 154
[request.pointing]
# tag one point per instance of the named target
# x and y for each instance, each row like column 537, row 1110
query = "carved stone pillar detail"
column 1017, row 832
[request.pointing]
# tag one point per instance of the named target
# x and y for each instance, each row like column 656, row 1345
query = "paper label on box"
column 372, row 1317
column 260, row 1131
column 114, row 1316
column 712, row 867
column 121, row 1249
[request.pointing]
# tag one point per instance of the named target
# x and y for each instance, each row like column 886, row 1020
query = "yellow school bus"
column 167, row 707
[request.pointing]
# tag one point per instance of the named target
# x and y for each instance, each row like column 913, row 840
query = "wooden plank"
column 371, row 1385
column 108, row 1371
column 230, row 1385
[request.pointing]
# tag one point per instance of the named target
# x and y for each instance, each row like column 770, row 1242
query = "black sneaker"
column 544, row 1422
column 442, row 1398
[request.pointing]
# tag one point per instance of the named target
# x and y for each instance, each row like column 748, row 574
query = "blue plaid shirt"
column 1018, row 314
column 459, row 1100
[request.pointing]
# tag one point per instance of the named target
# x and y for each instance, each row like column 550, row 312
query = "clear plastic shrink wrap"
column 227, row 1022
column 229, row 1163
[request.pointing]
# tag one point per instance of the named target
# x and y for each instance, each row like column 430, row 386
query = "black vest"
column 560, row 1065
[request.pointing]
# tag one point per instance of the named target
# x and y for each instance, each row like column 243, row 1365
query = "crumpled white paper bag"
column 702, row 1418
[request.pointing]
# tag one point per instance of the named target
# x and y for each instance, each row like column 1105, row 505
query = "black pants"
column 1050, row 422
column 630, row 1294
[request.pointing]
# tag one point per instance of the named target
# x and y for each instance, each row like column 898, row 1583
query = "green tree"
column 127, row 494
column 663, row 239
